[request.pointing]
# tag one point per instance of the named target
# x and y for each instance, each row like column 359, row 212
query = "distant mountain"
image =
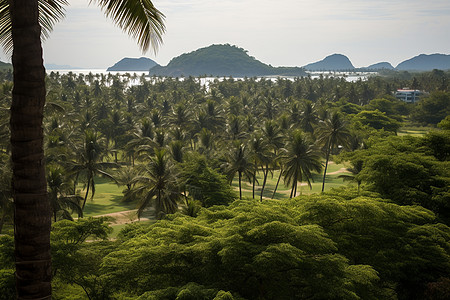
column 380, row 66
column 4, row 65
column 221, row 60
column 133, row 64
column 424, row 62
column 334, row 62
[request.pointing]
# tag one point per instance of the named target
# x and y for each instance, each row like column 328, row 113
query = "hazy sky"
column 280, row 33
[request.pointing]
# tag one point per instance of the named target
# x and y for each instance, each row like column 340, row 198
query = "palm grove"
column 175, row 145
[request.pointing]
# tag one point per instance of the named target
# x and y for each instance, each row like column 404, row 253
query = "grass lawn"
column 108, row 195
column 413, row 131
column 107, row 199
column 283, row 192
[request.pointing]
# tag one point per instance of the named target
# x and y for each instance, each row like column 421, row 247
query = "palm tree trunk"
column 87, row 192
column 326, row 166
column 264, row 180
column 254, row 181
column 240, row 187
column 294, row 187
column 32, row 211
column 2, row 221
column 278, row 182
column 295, row 190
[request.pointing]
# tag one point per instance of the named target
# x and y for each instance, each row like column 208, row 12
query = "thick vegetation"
column 175, row 145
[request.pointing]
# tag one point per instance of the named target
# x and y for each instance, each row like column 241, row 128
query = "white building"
column 409, row 96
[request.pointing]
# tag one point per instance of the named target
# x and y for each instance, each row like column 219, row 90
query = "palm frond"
column 139, row 18
column 50, row 12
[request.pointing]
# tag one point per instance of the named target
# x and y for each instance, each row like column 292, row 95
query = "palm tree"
column 176, row 150
column 299, row 160
column 355, row 168
column 308, row 116
column 124, row 177
column 90, row 162
column 332, row 133
column 261, row 157
column 238, row 161
column 21, row 24
column 275, row 139
column 61, row 200
column 157, row 184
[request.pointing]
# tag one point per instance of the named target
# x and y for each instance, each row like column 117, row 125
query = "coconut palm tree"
column 274, row 138
column 261, row 156
column 90, row 162
column 308, row 116
column 238, row 161
column 21, row 25
column 62, row 202
column 332, row 133
column 300, row 160
column 158, row 185
column 355, row 168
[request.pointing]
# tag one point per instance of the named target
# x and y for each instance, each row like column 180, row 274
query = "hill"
column 424, row 62
column 5, row 66
column 133, row 64
column 334, row 62
column 221, row 60
column 381, row 66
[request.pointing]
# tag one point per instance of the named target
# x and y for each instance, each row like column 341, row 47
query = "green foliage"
column 6, row 251
column 7, row 284
column 408, row 170
column 385, row 236
column 7, row 278
column 392, row 107
column 432, row 109
column 340, row 245
column 438, row 141
column 255, row 251
column 377, row 120
column 300, row 160
column 76, row 262
column 157, row 185
column 445, row 123
column 222, row 295
column 205, row 184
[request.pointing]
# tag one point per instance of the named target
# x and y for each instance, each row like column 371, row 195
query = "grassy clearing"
column 413, row 131
column 107, row 199
column 283, row 192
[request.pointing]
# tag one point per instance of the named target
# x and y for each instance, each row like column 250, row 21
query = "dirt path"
column 128, row 216
column 341, row 170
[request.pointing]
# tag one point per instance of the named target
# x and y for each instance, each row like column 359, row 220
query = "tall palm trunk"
column 253, row 183
column 2, row 221
column 240, row 185
column 87, row 192
column 326, row 163
column 293, row 189
column 278, row 182
column 32, row 211
column 264, row 180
